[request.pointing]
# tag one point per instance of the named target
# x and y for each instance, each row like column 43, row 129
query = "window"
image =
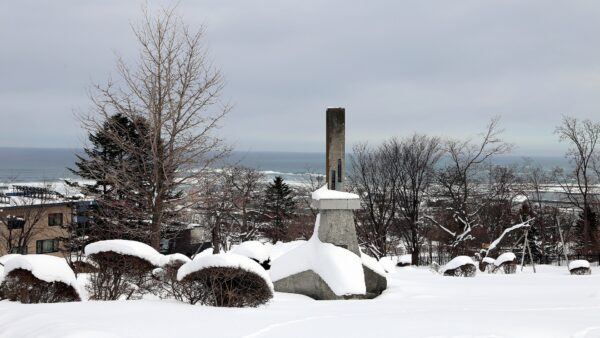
column 46, row 246
column 15, row 222
column 55, row 219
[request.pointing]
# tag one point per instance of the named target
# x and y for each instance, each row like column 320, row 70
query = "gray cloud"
column 435, row 67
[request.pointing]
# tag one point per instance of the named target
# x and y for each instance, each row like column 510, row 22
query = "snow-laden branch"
column 507, row 231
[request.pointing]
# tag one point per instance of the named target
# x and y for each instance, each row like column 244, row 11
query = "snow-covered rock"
column 505, row 257
column 44, row 267
column 252, row 249
column 341, row 269
column 127, row 247
column 372, row 264
column 226, row 260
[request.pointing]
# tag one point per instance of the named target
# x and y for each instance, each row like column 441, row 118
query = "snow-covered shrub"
column 227, row 280
column 168, row 286
column 507, row 262
column 124, row 269
column 486, row 264
column 254, row 250
column 580, row 267
column 460, row 266
column 39, row 279
column 404, row 260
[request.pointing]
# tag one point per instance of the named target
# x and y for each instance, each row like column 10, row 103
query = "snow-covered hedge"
column 580, row 267
column 460, row 266
column 39, row 279
column 226, row 279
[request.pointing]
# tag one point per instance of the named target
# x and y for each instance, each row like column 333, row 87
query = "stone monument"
column 330, row 265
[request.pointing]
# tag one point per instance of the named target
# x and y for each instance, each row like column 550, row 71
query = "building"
column 33, row 220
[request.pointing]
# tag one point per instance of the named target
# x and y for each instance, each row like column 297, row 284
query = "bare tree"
column 579, row 185
column 414, row 159
column 373, row 177
column 173, row 89
column 245, row 192
column 461, row 182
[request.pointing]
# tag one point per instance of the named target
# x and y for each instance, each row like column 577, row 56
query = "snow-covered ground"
column 418, row 303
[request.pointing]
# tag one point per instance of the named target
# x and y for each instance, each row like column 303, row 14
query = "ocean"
column 51, row 164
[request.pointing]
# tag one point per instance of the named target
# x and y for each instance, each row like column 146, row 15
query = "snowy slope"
column 418, row 303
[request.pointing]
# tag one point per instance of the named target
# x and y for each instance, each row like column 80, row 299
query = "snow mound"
column 457, row 262
column 225, row 260
column 44, row 267
column 372, row 264
column 341, row 269
column 505, row 257
column 252, row 249
column 127, row 247
column 580, row 263
column 176, row 258
column 280, row 248
column 325, row 194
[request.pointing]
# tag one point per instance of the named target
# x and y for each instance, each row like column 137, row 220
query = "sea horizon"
column 39, row 164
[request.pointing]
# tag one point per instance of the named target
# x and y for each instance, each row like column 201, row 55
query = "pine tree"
column 280, row 208
column 586, row 232
column 118, row 212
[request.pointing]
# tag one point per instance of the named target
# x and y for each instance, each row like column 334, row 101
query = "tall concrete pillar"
column 335, row 157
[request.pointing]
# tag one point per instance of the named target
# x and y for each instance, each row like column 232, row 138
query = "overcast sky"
column 436, row 67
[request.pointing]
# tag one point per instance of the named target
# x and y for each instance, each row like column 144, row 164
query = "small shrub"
column 119, row 276
column 466, row 270
column 21, row 285
column 167, row 285
column 226, row 287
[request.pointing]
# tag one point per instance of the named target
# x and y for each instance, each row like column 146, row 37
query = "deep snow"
column 418, row 303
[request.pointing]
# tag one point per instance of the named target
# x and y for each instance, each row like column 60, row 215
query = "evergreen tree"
column 533, row 235
column 586, row 232
column 279, row 207
column 118, row 212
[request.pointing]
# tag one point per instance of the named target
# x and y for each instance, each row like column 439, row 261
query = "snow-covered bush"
column 580, row 267
column 254, row 250
column 39, row 279
column 124, row 269
column 460, row 266
column 404, row 260
column 227, row 280
column 507, row 262
column 167, row 284
column 486, row 264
